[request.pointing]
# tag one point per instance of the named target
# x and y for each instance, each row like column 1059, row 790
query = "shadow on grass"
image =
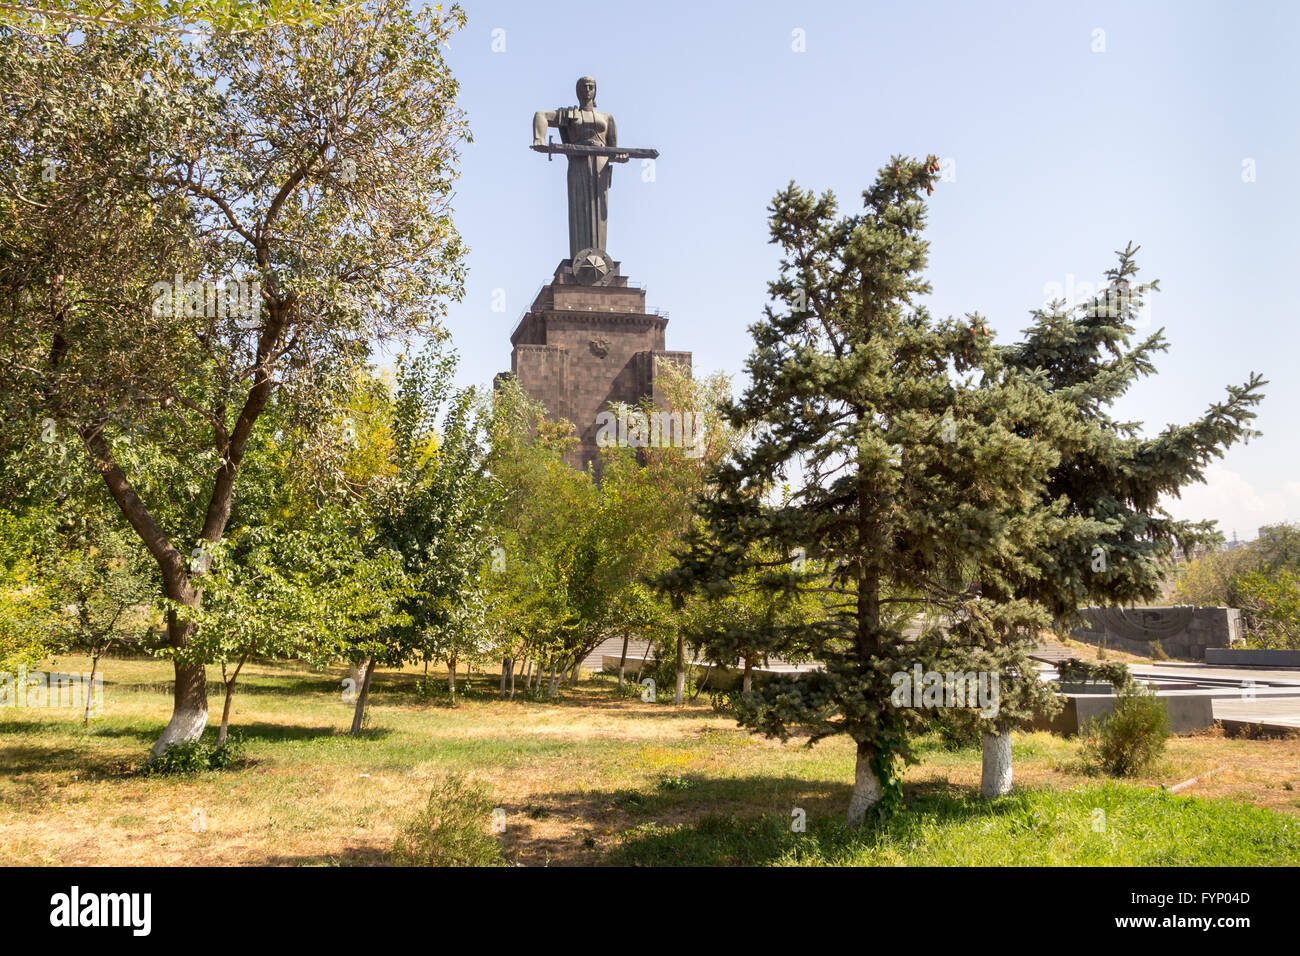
column 281, row 733
column 253, row 685
column 19, row 758
column 26, row 758
column 351, row 856
column 592, row 692
column 249, row 732
column 720, row 838
column 737, row 821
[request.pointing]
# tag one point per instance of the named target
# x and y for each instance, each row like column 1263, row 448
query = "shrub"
column 957, row 729
column 1128, row 740
column 1115, row 673
column 451, row 830
column 725, row 702
column 185, row 757
column 196, row 756
column 229, row 755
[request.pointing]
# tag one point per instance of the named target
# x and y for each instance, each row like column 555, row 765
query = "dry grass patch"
column 575, row 777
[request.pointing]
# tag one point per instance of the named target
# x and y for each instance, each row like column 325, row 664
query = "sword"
column 551, row 148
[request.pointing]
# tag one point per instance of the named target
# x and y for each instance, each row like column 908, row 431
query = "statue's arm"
column 541, row 120
column 611, row 140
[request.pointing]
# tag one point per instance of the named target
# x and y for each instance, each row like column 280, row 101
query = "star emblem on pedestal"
column 590, row 266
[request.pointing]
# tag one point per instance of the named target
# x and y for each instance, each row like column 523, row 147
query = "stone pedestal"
column 587, row 340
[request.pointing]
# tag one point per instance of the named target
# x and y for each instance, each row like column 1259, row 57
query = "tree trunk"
column 90, row 690
column 679, row 691
column 190, row 696
column 505, row 666
column 554, row 686
column 230, row 692
column 622, row 663
column 748, row 682
column 451, row 677
column 641, row 667
column 189, row 707
column 995, row 780
column 361, row 698
column 512, row 678
column 357, row 674
column 867, row 789
column 577, row 669
column 704, row 681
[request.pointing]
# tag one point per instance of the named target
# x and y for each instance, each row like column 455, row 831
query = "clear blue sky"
column 1061, row 154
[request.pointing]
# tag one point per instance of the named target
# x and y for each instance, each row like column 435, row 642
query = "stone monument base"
column 588, row 341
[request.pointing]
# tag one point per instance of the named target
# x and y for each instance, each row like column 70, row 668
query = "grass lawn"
column 590, row 778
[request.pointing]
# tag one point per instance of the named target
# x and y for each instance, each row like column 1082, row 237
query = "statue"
column 589, row 138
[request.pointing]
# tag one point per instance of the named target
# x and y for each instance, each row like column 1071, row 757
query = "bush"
column 726, row 702
column 229, row 755
column 451, row 830
column 956, row 728
column 196, row 756
column 1078, row 671
column 1130, row 739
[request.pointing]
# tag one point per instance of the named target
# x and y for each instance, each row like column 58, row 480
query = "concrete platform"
column 1256, row 700
column 1272, row 715
column 1252, row 657
column 1189, row 712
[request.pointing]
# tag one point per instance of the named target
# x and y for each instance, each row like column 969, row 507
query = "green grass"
column 591, row 778
column 1106, row 825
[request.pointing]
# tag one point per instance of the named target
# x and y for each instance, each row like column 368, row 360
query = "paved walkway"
column 1271, row 713
column 1276, row 690
column 637, row 649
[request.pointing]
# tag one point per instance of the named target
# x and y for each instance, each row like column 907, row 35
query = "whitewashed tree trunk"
column 190, row 693
column 187, row 723
column 867, row 789
column 996, row 778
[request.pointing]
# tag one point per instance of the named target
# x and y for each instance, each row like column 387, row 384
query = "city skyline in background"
column 1065, row 134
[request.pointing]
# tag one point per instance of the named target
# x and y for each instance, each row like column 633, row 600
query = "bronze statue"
column 589, row 138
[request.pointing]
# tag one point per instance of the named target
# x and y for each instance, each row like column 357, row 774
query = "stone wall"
column 1182, row 633
column 580, row 348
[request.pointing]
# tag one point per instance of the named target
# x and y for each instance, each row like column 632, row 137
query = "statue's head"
column 587, row 92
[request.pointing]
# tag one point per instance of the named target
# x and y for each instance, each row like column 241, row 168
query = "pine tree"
column 913, row 457
column 1116, row 540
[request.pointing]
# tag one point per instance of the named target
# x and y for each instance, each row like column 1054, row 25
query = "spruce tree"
column 912, row 453
column 1116, row 540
